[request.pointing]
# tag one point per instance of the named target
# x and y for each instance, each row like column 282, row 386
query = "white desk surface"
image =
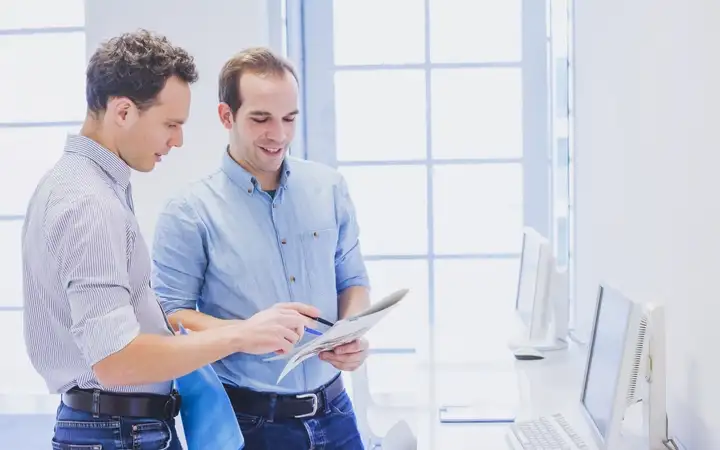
column 538, row 387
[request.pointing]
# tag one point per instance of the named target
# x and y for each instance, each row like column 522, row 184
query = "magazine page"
column 343, row 332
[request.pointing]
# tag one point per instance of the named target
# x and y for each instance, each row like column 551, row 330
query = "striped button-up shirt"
column 86, row 270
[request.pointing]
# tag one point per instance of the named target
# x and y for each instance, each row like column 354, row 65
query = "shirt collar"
column 245, row 179
column 108, row 161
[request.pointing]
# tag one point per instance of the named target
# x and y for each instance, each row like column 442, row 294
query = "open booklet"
column 344, row 331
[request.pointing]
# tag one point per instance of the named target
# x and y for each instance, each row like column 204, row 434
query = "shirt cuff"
column 103, row 336
column 361, row 281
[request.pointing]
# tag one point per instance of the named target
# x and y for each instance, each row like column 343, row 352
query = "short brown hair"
column 135, row 65
column 257, row 60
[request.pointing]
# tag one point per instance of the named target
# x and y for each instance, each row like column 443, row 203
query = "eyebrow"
column 267, row 114
column 177, row 121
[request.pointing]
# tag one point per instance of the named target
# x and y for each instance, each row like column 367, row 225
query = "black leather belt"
column 297, row 406
column 150, row 406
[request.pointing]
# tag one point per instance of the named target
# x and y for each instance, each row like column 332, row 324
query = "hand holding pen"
column 319, row 320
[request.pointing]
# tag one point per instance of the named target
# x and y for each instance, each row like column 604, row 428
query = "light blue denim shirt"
column 229, row 249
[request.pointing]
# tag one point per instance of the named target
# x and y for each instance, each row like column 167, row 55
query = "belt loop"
column 273, row 403
column 96, row 403
column 326, row 402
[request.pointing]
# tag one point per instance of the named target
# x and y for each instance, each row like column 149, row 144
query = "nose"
column 276, row 132
column 176, row 139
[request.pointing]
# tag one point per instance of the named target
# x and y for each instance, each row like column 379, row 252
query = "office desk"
column 535, row 387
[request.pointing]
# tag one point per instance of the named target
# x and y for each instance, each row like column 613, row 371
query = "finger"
column 284, row 346
column 292, row 319
column 348, row 358
column 356, row 346
column 345, row 366
column 291, row 335
column 301, row 308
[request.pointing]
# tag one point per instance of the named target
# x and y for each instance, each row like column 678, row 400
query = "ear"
column 122, row 111
column 226, row 116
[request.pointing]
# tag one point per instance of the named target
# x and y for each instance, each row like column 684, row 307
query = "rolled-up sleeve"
column 349, row 265
column 179, row 257
column 89, row 244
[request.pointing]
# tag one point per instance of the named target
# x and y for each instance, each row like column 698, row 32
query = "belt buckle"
column 314, row 398
column 172, row 406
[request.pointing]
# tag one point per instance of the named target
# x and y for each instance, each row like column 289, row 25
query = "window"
column 45, row 101
column 452, row 135
column 561, row 128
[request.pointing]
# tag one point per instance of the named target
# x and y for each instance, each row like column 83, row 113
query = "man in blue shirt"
column 267, row 228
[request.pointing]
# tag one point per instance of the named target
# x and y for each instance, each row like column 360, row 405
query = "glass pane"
column 17, row 375
column 27, row 154
column 58, row 95
column 477, row 113
column 42, row 14
column 391, row 204
column 380, row 115
column 478, row 208
column 559, row 27
column 412, row 315
column 368, row 31
column 475, row 31
column 495, row 388
column 474, row 309
column 397, row 379
column 11, row 290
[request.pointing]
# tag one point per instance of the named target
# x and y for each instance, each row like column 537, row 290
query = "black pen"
column 320, row 320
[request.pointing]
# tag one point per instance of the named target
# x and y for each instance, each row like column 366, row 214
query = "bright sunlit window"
column 42, row 84
column 452, row 135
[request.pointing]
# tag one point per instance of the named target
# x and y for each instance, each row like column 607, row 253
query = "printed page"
column 343, row 332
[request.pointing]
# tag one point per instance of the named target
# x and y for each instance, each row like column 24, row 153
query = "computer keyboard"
column 548, row 433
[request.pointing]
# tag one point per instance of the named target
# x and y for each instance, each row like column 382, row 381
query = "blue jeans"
column 332, row 429
column 79, row 430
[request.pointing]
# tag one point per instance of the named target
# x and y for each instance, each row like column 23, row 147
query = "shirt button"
column 315, row 234
column 249, row 190
column 283, row 242
column 274, row 205
column 292, row 279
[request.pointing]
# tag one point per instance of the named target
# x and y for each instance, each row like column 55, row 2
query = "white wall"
column 647, row 96
column 212, row 33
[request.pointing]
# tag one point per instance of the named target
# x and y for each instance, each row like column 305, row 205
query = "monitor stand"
column 557, row 336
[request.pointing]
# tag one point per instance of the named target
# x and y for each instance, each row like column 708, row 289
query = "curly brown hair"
column 135, row 65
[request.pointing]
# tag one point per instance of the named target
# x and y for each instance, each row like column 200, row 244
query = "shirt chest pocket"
column 318, row 253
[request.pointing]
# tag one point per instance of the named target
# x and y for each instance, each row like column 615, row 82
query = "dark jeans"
column 79, row 430
column 332, row 429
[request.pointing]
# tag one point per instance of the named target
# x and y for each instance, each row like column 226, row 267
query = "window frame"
column 312, row 52
column 24, row 402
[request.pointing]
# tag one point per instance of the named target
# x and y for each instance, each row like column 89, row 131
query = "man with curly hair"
column 93, row 327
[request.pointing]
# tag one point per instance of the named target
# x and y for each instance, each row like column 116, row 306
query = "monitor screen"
column 527, row 281
column 606, row 354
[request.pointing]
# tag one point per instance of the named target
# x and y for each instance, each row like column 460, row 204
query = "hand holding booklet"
column 343, row 332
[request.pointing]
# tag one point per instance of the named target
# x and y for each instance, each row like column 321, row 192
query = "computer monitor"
column 536, row 263
column 625, row 364
column 618, row 364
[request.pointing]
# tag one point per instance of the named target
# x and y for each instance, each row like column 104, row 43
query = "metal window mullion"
column 429, row 160
column 393, row 351
column 428, row 65
column 67, row 123
column 432, row 378
column 40, row 30
column 11, row 217
column 319, row 82
column 536, row 176
column 419, row 257
column 294, row 11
